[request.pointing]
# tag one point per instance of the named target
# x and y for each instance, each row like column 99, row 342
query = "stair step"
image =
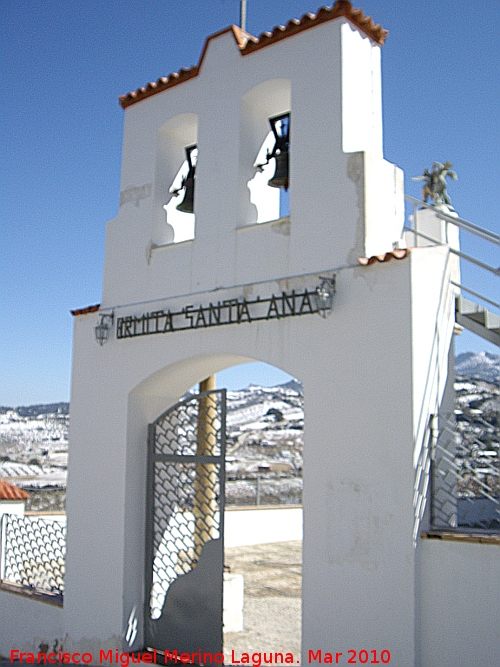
column 478, row 319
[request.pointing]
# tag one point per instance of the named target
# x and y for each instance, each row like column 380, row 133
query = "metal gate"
column 185, row 526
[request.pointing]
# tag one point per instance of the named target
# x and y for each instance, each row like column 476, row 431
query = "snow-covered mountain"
column 265, row 431
column 34, row 446
column 479, row 365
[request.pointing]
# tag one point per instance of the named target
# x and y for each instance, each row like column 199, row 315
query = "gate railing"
column 465, row 481
column 33, row 556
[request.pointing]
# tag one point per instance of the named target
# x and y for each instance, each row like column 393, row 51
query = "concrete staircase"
column 477, row 319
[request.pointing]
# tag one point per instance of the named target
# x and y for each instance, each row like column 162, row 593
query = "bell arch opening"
column 270, row 202
column 264, row 111
column 176, row 158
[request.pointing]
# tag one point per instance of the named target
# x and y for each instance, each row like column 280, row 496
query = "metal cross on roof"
column 243, row 14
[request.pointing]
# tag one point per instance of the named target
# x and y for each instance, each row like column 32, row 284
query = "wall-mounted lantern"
column 102, row 329
column 324, row 295
column 187, row 204
column 280, row 125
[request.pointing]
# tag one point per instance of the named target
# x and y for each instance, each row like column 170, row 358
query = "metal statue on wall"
column 435, row 186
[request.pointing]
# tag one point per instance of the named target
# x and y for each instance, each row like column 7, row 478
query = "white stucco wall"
column 244, row 526
column 12, row 507
column 361, row 94
column 357, row 521
column 459, row 603
column 336, row 66
column 432, row 293
column 357, row 470
column 25, row 624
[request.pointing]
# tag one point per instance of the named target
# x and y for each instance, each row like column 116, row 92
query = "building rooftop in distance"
column 10, row 492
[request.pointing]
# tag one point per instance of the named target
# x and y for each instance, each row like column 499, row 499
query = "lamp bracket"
column 103, row 328
column 324, row 294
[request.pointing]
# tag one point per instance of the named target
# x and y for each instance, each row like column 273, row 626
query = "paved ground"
column 272, row 613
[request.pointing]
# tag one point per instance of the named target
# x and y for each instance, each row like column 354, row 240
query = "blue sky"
column 63, row 65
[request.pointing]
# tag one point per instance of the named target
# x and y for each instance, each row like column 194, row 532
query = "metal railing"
column 33, row 555
column 465, row 477
column 455, row 220
column 462, row 288
column 464, row 225
column 254, row 491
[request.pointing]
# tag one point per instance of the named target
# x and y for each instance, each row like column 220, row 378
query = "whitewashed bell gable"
column 345, row 200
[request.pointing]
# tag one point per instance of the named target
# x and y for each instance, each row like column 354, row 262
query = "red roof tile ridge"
column 87, row 310
column 242, row 36
column 184, row 74
column 247, row 44
column 394, row 254
column 11, row 492
column 342, row 8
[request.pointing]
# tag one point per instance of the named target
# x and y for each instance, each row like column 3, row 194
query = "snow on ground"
column 33, row 476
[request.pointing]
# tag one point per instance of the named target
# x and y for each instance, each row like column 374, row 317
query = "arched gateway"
column 178, row 306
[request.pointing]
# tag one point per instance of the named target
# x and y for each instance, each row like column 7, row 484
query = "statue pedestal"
column 432, row 225
column 436, row 231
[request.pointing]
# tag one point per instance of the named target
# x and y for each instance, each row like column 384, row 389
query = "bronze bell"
column 187, row 204
column 280, row 126
column 280, row 178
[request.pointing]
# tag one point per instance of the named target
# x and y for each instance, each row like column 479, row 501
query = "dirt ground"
column 272, row 605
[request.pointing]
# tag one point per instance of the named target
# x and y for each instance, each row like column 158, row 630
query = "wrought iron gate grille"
column 33, row 554
column 180, row 535
column 184, row 553
column 180, row 431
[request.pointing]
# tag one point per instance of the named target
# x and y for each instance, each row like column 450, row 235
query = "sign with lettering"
column 229, row 311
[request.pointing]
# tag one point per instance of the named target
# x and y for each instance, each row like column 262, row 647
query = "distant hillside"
column 34, row 411
column 295, row 385
column 265, row 438
column 479, row 365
